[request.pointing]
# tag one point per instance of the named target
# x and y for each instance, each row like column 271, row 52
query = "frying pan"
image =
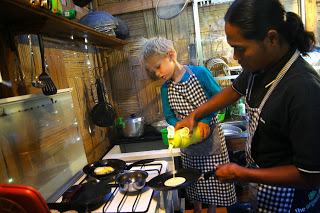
column 118, row 165
column 191, row 176
column 91, row 193
column 102, row 114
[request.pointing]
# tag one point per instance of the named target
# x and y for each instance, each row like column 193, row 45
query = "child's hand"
column 204, row 130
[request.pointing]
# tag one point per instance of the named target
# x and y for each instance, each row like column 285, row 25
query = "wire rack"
column 218, row 66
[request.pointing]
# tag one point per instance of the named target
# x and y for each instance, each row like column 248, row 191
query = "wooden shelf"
column 24, row 18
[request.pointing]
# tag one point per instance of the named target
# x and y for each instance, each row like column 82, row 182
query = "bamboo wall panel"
column 81, row 71
column 118, row 7
column 134, row 89
column 311, row 16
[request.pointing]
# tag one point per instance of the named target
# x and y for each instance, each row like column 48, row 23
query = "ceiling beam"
column 128, row 6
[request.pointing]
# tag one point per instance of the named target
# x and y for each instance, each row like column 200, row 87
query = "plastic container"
column 164, row 134
column 221, row 116
column 181, row 138
column 56, row 7
column 70, row 14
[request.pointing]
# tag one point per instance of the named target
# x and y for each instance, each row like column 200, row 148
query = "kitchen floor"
column 219, row 210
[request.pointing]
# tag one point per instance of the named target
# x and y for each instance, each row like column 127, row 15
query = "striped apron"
column 266, row 198
column 184, row 98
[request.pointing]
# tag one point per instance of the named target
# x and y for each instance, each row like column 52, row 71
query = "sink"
column 235, row 129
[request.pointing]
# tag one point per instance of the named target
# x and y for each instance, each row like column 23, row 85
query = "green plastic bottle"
column 242, row 108
column 181, row 138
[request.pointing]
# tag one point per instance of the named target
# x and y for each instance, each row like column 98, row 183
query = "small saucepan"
column 191, row 176
column 132, row 181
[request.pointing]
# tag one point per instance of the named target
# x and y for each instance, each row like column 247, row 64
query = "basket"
column 160, row 125
column 218, row 64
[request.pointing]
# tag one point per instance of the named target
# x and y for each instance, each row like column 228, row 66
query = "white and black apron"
column 184, row 98
column 266, row 198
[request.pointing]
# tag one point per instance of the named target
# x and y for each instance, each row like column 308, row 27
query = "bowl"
column 157, row 126
column 230, row 129
column 133, row 180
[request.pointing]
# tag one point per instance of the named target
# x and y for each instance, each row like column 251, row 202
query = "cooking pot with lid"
column 133, row 126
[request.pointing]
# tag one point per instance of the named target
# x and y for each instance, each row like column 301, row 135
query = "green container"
column 221, row 116
column 164, row 133
column 70, row 14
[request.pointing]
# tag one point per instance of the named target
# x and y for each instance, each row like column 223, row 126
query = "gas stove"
column 145, row 200
column 146, row 137
column 141, row 201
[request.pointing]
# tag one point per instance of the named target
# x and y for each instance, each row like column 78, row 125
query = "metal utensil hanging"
column 35, row 82
column 169, row 9
column 19, row 75
column 102, row 114
column 50, row 88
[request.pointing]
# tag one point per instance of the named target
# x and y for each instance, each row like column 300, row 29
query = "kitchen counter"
column 236, row 143
column 116, row 152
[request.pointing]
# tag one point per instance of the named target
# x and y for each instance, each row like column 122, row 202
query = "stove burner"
column 148, row 136
column 125, row 202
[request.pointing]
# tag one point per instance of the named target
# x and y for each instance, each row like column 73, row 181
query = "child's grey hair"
column 156, row 46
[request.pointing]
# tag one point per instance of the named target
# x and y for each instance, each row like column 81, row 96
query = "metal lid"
column 133, row 119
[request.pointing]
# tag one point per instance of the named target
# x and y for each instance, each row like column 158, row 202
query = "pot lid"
column 133, row 119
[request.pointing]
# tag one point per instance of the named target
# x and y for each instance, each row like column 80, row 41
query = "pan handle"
column 140, row 162
column 207, row 175
column 72, row 193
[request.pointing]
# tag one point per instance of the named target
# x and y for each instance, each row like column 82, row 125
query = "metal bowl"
column 157, row 126
column 132, row 180
column 230, row 129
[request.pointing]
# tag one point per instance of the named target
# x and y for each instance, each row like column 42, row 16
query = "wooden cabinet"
column 24, row 18
column 67, row 61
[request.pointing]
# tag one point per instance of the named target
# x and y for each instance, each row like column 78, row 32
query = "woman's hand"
column 228, row 173
column 188, row 121
column 204, row 130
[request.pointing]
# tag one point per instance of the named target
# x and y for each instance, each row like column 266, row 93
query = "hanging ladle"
column 36, row 83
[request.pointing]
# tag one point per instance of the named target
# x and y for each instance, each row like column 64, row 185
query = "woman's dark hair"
column 256, row 17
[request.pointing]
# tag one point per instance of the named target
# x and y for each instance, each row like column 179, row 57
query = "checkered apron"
column 183, row 99
column 265, row 198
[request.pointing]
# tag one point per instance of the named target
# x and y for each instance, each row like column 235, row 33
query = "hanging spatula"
column 50, row 88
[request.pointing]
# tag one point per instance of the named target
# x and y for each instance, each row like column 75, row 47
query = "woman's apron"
column 266, row 198
column 184, row 98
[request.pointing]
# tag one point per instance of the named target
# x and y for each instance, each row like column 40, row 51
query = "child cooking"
column 185, row 89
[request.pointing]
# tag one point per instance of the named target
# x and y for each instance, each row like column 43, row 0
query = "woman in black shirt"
column 282, row 97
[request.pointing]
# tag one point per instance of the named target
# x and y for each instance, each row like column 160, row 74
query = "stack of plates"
column 107, row 29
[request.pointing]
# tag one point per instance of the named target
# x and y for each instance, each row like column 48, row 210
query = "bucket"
column 164, row 133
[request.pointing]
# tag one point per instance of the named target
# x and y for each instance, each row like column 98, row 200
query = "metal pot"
column 132, row 181
column 133, row 126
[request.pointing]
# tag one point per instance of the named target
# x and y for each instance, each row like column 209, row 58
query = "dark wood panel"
column 18, row 14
